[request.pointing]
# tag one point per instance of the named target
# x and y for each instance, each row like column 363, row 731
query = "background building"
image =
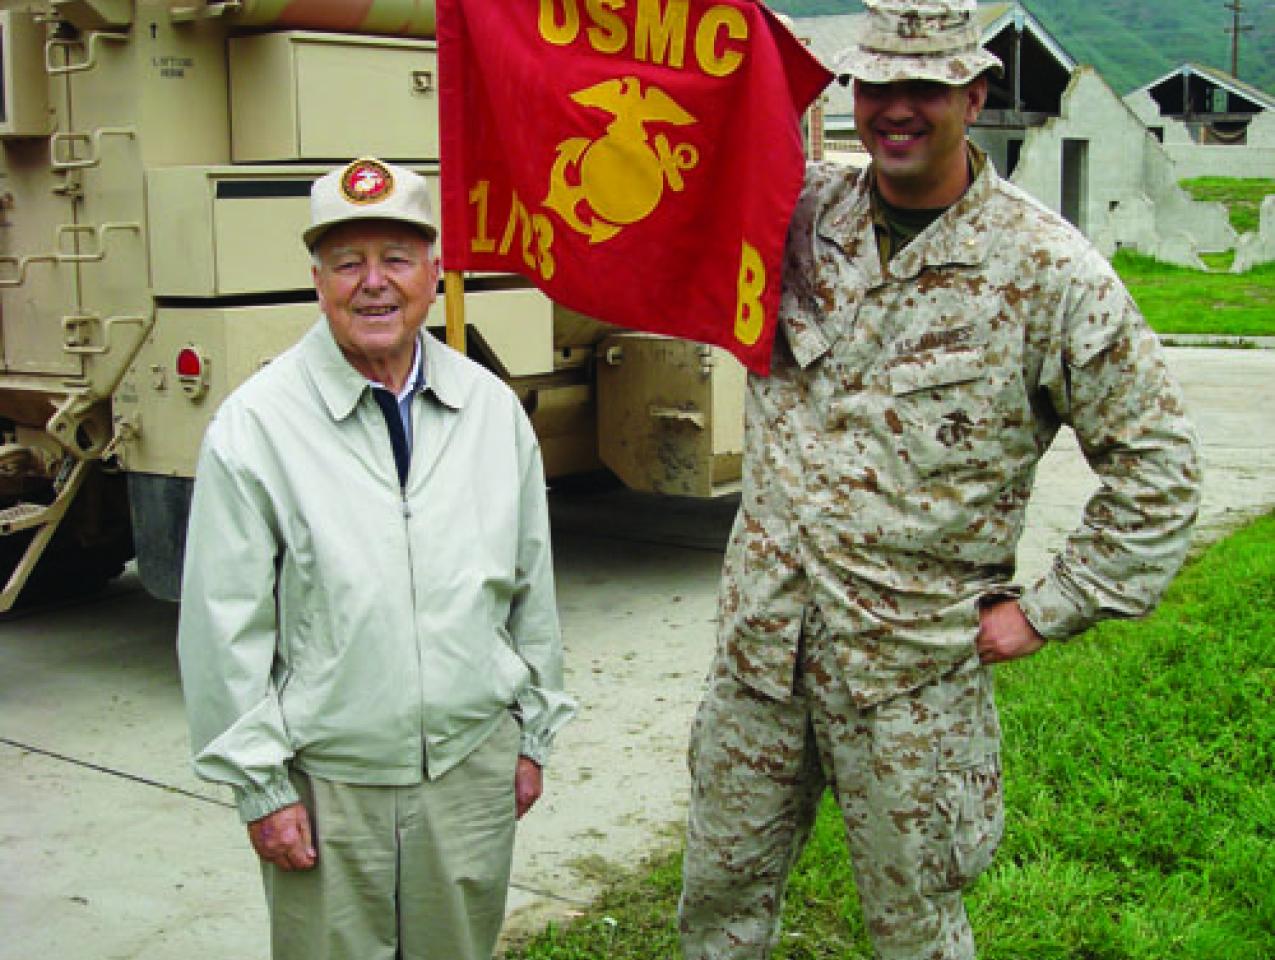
column 1060, row 132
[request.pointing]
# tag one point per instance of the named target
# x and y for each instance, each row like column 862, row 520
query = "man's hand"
column 528, row 785
column 1005, row 634
column 283, row 838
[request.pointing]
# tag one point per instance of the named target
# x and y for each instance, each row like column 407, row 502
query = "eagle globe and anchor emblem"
column 621, row 176
column 367, row 181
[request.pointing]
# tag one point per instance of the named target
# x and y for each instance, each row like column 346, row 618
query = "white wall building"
column 1210, row 123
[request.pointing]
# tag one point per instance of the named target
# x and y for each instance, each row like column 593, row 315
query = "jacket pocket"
column 934, row 370
column 945, row 408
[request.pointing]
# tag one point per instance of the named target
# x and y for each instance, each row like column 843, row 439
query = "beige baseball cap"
column 369, row 189
column 937, row 40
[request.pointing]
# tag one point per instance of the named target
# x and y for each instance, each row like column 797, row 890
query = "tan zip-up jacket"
column 364, row 632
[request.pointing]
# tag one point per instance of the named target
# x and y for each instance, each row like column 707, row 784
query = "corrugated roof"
column 1219, row 77
column 995, row 17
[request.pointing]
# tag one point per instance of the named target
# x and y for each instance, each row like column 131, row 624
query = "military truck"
column 155, row 162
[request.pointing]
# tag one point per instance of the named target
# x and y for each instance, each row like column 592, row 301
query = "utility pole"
column 1236, row 7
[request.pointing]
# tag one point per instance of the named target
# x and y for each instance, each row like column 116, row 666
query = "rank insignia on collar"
column 366, row 181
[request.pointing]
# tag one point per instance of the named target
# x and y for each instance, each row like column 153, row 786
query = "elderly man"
column 369, row 641
column 938, row 327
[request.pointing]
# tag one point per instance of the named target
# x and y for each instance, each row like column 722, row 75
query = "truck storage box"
column 24, row 89
column 300, row 95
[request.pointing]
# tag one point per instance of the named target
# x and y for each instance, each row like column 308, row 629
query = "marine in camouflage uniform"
column 889, row 458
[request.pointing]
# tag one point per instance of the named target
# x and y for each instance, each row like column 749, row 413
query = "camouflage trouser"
column 918, row 782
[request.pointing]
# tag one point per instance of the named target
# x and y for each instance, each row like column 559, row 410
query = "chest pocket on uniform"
column 942, row 406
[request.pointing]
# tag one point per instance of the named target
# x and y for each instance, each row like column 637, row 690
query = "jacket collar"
column 959, row 237
column 341, row 386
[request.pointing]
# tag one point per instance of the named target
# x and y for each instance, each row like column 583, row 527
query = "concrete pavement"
column 110, row 849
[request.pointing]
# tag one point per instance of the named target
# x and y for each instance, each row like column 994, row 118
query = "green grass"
column 1218, row 304
column 1219, row 262
column 1140, row 794
column 1181, row 300
column 1242, row 197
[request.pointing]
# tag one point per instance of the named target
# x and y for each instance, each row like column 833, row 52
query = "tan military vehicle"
column 155, row 163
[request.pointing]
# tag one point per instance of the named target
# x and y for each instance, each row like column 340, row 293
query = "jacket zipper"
column 406, row 507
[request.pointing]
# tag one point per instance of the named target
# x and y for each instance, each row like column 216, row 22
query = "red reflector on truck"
column 192, row 371
column 189, row 363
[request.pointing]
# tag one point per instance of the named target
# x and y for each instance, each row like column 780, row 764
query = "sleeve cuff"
column 261, row 801
column 535, row 747
column 1054, row 614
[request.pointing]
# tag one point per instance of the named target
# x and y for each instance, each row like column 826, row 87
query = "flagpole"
column 454, row 304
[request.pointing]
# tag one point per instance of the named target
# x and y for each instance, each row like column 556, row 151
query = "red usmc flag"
column 637, row 159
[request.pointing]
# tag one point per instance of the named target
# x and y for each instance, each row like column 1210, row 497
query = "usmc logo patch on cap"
column 366, row 181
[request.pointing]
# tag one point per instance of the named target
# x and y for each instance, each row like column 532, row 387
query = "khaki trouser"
column 918, row 782
column 403, row 873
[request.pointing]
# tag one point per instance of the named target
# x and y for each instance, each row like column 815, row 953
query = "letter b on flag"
column 750, row 318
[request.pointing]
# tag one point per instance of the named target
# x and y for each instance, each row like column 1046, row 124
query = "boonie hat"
column 936, row 40
column 369, row 189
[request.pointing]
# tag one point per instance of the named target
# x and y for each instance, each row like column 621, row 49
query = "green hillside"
column 1133, row 42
